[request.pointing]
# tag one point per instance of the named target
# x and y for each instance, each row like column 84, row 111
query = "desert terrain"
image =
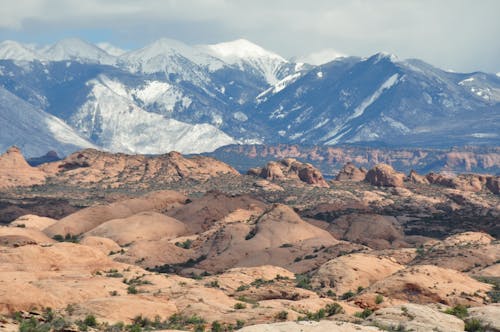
column 115, row 242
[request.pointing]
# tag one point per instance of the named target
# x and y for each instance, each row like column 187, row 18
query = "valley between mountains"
column 102, row 241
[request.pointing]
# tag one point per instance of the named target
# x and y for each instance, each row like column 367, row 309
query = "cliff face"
column 330, row 159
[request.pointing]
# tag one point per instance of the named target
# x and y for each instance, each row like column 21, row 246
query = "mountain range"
column 172, row 96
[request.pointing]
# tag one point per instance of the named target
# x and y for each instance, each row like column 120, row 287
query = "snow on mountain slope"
column 277, row 87
column 35, row 131
column 244, row 53
column 117, row 123
column 340, row 130
column 77, row 50
column 172, row 57
column 111, row 49
column 12, row 50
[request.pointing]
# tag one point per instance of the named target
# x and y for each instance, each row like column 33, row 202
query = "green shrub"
column 185, row 245
column 475, row 325
column 239, row 306
column 90, row 320
column 347, row 295
column 459, row 310
column 216, row 327
column 213, row 284
column 303, row 281
column 282, row 315
column 363, row 314
column 379, row 299
column 132, row 290
column 333, row 309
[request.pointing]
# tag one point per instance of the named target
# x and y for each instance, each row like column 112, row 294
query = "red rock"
column 351, row 173
column 385, row 176
column 290, row 169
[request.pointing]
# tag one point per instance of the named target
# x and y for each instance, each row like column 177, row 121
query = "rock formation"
column 351, row 173
column 15, row 171
column 385, row 176
column 290, row 169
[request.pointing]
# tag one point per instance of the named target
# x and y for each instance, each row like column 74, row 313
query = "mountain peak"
column 12, row 50
column 242, row 48
column 76, row 49
column 384, row 56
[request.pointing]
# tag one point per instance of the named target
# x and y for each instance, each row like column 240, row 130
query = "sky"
column 459, row 35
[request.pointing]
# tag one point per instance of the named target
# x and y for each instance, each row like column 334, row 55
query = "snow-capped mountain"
column 249, row 56
column 78, row 50
column 111, row 119
column 35, row 131
column 12, row 50
column 172, row 96
column 111, row 49
column 171, row 57
column 383, row 100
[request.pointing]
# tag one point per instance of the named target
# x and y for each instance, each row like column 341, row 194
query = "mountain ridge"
column 241, row 93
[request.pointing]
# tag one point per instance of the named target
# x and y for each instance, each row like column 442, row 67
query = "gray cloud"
column 453, row 34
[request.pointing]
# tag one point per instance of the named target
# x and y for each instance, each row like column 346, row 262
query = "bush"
column 216, row 327
column 132, row 290
column 379, row 299
column 475, row 325
column 333, row 309
column 239, row 324
column 459, row 310
column 90, row 320
column 363, row 314
column 282, row 315
column 347, row 295
column 184, row 245
column 213, row 284
column 239, row 306
column 303, row 281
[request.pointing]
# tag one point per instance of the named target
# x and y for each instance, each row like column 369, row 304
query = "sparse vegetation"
column 113, row 273
column 494, row 294
column 213, row 284
column 379, row 299
column 66, row 238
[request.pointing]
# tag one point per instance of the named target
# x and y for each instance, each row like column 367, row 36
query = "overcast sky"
column 452, row 34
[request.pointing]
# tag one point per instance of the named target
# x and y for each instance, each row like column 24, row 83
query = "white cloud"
column 321, row 57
